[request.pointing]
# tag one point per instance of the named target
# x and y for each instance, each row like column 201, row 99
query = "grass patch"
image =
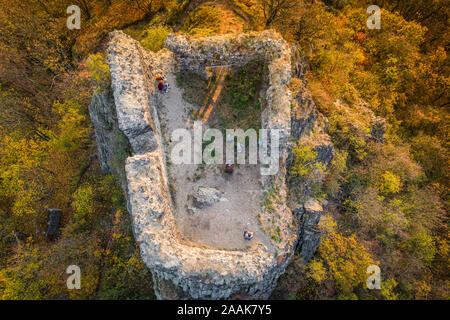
column 151, row 35
column 238, row 105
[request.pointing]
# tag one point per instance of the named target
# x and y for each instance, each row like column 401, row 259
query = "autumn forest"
column 387, row 201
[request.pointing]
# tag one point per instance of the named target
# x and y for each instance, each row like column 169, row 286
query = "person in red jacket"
column 229, row 167
column 162, row 86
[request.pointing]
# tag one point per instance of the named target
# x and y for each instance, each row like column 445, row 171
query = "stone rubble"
column 206, row 197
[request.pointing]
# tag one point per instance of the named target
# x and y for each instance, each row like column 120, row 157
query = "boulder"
column 310, row 242
column 309, row 215
column 54, row 218
column 303, row 114
column 378, row 129
column 312, row 211
column 206, row 197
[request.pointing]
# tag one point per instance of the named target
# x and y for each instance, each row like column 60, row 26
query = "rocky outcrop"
column 304, row 114
column 206, row 197
column 54, row 218
column 129, row 110
column 378, row 129
column 309, row 216
column 362, row 120
column 308, row 127
column 113, row 146
column 299, row 64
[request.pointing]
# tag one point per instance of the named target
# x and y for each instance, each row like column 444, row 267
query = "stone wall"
column 130, row 109
column 196, row 55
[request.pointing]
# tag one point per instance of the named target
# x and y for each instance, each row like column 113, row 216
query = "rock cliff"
column 130, row 144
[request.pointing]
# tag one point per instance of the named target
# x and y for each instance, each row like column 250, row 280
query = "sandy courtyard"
column 221, row 225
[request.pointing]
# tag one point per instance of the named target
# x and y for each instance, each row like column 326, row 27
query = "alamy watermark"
column 196, row 147
column 74, row 20
column 374, row 21
column 74, row 280
column 374, row 280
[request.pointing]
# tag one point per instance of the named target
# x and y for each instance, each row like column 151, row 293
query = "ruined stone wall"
column 196, row 55
column 180, row 270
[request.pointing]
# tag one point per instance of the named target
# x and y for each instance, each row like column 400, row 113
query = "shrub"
column 71, row 132
column 305, row 164
column 295, row 85
column 306, row 172
column 433, row 157
column 316, row 271
column 23, row 280
column 336, row 169
column 389, row 183
column 387, row 289
column 346, row 260
column 99, row 71
column 350, row 131
column 153, row 37
column 203, row 21
column 83, row 205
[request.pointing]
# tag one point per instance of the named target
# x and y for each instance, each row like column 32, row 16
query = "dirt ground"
column 222, row 225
